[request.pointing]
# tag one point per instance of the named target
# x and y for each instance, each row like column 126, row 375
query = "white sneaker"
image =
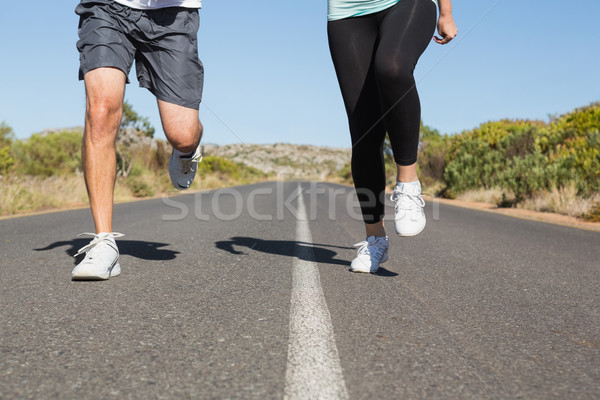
column 409, row 217
column 101, row 258
column 182, row 168
column 371, row 253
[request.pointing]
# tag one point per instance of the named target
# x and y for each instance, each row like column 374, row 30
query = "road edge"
column 519, row 213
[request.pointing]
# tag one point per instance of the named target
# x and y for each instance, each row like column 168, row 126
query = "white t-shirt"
column 154, row 4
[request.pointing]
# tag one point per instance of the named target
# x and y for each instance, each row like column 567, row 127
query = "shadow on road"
column 287, row 248
column 135, row 248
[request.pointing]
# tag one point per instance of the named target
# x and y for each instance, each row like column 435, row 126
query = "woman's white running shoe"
column 182, row 168
column 409, row 217
column 371, row 253
column 101, row 258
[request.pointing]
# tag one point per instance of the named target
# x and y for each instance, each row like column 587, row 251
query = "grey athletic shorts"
column 163, row 43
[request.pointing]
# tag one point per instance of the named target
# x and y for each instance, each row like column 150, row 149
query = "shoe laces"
column 405, row 201
column 97, row 240
column 186, row 163
column 374, row 248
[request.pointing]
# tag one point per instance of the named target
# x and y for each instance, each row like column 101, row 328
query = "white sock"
column 408, row 184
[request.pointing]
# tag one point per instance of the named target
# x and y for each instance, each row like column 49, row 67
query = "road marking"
column 313, row 368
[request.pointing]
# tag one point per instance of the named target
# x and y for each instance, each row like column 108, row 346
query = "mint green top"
column 338, row 9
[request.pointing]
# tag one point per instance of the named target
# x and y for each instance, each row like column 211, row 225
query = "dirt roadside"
column 550, row 218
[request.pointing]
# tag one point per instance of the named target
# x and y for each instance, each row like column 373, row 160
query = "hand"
column 446, row 28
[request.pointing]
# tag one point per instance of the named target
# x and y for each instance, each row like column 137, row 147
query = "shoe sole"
column 408, row 234
column 404, row 234
column 115, row 270
column 359, row 271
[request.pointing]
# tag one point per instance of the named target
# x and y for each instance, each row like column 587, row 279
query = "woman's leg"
column 405, row 32
column 352, row 43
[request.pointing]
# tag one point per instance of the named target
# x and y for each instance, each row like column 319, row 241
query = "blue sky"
column 269, row 76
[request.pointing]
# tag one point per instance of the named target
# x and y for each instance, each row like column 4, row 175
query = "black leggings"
column 374, row 58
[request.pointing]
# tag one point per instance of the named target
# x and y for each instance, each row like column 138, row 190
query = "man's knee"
column 103, row 117
column 104, row 95
column 103, row 111
column 186, row 138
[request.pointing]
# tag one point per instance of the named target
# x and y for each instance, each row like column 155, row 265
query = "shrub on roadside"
column 6, row 160
column 527, row 158
column 140, row 186
column 433, row 151
column 47, row 155
column 594, row 214
column 212, row 165
column 6, row 154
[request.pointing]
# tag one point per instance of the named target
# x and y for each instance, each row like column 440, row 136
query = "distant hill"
column 289, row 161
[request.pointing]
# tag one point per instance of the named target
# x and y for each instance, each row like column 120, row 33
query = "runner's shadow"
column 288, row 248
column 135, row 248
column 283, row 248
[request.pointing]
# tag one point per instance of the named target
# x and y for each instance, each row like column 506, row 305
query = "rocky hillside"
column 288, row 161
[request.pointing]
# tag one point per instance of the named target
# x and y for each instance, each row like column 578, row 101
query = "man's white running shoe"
column 371, row 253
column 182, row 168
column 101, row 258
column 409, row 217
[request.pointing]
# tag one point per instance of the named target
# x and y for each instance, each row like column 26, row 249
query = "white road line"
column 313, row 368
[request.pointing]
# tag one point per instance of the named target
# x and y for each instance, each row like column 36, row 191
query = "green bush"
column 6, row 155
column 573, row 144
column 526, row 157
column 6, row 135
column 222, row 167
column 139, row 186
column 484, row 157
column 6, row 160
column 346, row 173
column 47, row 155
column 433, row 151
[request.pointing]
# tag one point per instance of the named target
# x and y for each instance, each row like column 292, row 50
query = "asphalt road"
column 245, row 293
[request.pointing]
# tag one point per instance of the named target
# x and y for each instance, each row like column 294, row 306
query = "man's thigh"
column 167, row 60
column 102, row 41
column 177, row 119
column 105, row 86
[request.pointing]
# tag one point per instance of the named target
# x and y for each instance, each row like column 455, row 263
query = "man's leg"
column 181, row 125
column 184, row 131
column 105, row 88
